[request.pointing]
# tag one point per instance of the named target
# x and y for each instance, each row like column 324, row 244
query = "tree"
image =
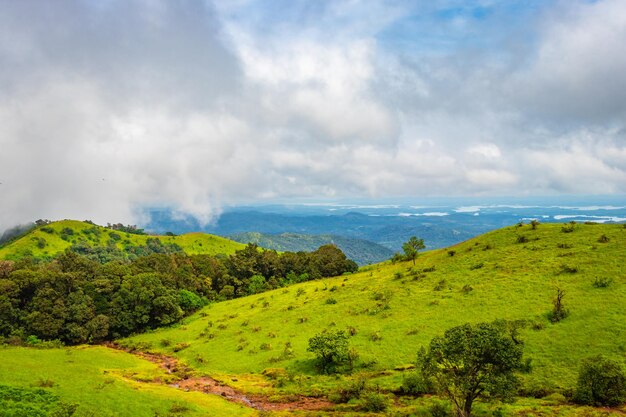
column 601, row 382
column 471, row 362
column 411, row 248
column 331, row 349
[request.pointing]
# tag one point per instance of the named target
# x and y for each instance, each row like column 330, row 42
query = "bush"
column 559, row 312
column 601, row 382
column 414, row 383
column 603, row 239
column 602, row 282
column 439, row 409
column 331, row 349
column 374, row 402
column 349, row 391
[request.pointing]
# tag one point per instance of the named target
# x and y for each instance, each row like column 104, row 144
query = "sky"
column 111, row 107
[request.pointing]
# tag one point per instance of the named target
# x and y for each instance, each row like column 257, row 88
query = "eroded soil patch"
column 185, row 380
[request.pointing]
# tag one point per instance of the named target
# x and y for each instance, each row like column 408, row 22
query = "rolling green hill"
column 361, row 251
column 258, row 344
column 511, row 274
column 46, row 241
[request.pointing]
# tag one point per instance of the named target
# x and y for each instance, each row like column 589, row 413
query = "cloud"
column 108, row 108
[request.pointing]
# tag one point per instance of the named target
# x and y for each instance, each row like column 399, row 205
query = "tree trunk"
column 467, row 407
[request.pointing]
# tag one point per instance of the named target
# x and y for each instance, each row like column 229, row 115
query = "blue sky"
column 107, row 108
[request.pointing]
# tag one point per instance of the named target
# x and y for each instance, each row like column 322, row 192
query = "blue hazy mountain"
column 440, row 223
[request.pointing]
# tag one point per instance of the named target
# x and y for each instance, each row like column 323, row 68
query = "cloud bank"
column 107, row 108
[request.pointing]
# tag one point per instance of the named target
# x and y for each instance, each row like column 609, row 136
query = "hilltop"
column 48, row 240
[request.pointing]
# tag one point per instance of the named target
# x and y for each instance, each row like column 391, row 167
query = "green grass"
column 41, row 244
column 509, row 280
column 104, row 382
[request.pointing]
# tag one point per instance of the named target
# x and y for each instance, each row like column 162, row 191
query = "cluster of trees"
column 79, row 298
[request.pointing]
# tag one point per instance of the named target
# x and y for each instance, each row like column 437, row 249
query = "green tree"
column 601, row 382
column 471, row 362
column 331, row 349
column 412, row 247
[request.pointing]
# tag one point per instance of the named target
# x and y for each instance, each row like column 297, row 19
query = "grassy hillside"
column 57, row 236
column 363, row 252
column 511, row 273
column 103, row 382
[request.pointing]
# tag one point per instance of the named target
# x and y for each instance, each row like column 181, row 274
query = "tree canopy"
column 412, row 247
column 473, row 361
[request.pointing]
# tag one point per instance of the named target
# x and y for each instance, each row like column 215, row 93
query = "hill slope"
column 363, row 252
column 393, row 310
column 55, row 237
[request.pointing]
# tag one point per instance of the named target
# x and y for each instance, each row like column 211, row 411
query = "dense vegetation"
column 93, row 293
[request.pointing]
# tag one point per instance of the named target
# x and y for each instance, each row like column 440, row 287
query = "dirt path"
column 208, row 385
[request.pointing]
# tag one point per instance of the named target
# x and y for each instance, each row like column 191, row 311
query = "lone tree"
column 471, row 362
column 411, row 248
column 331, row 349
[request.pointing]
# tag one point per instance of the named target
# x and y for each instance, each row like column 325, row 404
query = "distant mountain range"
column 361, row 251
column 440, row 223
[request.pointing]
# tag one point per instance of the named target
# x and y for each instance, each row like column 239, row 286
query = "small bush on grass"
column 413, row 383
column 602, row 282
column 374, row 402
column 349, row 391
column 439, row 409
column 601, row 382
column 559, row 312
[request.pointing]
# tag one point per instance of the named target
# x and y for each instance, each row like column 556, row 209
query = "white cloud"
column 108, row 108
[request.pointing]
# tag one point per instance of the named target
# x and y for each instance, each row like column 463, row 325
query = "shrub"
column 603, row 239
column 467, row 289
column 477, row 266
column 374, row 402
column 439, row 409
column 602, row 282
column 331, row 301
column 568, row 228
column 414, row 384
column 451, row 252
column 601, row 382
column 559, row 312
column 522, row 239
column 349, row 391
column 181, row 346
column 375, row 337
column 440, row 285
column 331, row 350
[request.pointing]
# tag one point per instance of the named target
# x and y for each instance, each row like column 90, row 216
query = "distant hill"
column 388, row 231
column 47, row 240
column 363, row 252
